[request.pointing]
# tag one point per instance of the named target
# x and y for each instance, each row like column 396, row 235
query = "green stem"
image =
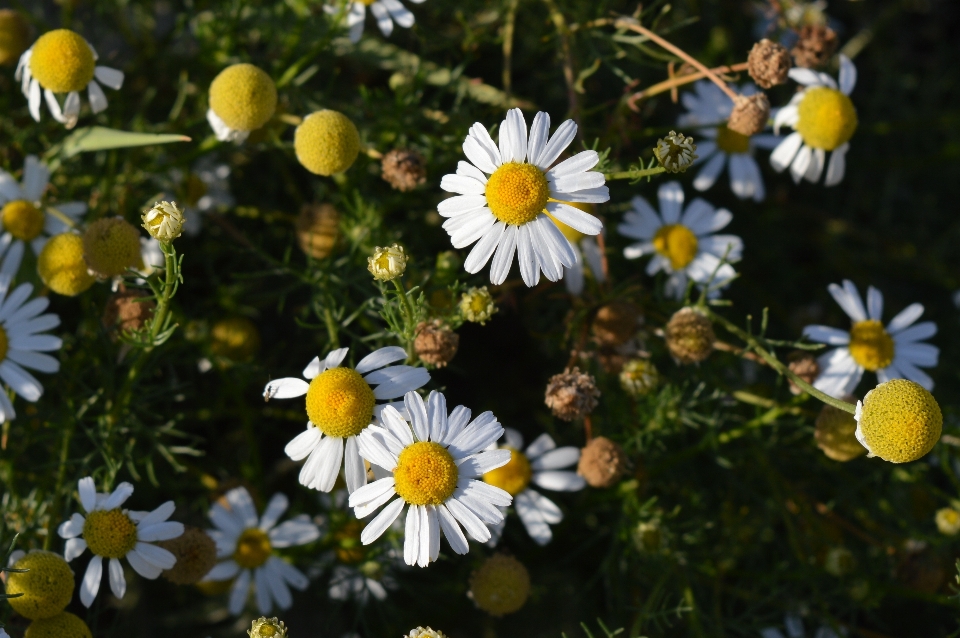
column 638, row 173
column 332, row 330
column 169, row 285
column 408, row 318
column 61, row 477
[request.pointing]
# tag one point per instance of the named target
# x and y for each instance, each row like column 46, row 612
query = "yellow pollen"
column 827, row 118
column 677, row 243
column 870, row 345
column 347, row 543
column 573, row 236
column 47, row 588
column 110, row 533
column 517, row 193
column 62, row 61
column 22, row 219
column 732, row 142
column 426, row 474
column 340, row 402
column 253, row 548
column 512, row 477
column 900, row 421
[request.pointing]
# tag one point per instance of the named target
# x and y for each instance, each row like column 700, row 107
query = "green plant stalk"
column 61, row 477
column 636, row 173
column 408, row 318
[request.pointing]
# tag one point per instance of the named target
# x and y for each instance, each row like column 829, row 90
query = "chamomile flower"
column 683, row 242
column 588, row 250
column 113, row 533
column 507, row 211
column 248, row 544
column 385, row 12
column 341, row 402
column 893, row 351
column 433, row 468
column 823, row 119
column 62, row 62
column 542, row 464
column 25, row 217
column 709, row 108
column 242, row 99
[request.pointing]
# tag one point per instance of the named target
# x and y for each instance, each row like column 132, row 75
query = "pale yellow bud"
column 164, row 221
column 386, row 264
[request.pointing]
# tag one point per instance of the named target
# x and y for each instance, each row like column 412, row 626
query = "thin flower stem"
column 408, row 317
column 563, row 34
column 508, row 29
column 169, row 286
column 636, row 174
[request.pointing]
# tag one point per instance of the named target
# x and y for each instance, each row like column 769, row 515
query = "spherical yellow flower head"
column 348, row 547
column 326, row 142
column 948, row 521
column 500, row 586
column 572, row 235
column 234, row 338
column 676, row 152
column 110, row 246
column 512, row 477
column 196, row 555
column 386, row 264
column 164, row 221
column 899, row 421
column 732, row 142
column 340, row 402
column 47, row 588
column 677, row 243
column 63, row 625
column 110, row 533
column 517, row 193
column 253, row 548
column 689, row 336
column 836, row 434
column 870, row 345
column 639, row 377
column 62, row 61
column 243, row 96
column 827, row 118
column 425, row 632
column 61, row 265
column 426, row 474
column 13, row 36
column 22, row 219
column 477, row 305
column 267, row 628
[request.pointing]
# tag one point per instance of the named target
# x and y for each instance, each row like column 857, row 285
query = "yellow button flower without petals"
column 512, row 477
column 47, row 587
column 827, row 118
column 61, row 265
column 426, row 474
column 340, row 402
column 243, row 96
column 326, row 142
column 501, row 585
column 110, row 246
column 63, row 625
column 899, row 421
column 62, row 61
column 516, row 193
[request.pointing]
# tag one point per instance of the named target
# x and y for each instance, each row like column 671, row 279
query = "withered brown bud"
column 768, row 63
column 602, row 462
column 404, row 169
column 816, row 46
column 750, row 114
column 317, row 228
column 615, row 323
column 836, row 433
column 571, row 395
column 689, row 336
column 196, row 555
column 125, row 312
column 436, row 344
column 805, row 366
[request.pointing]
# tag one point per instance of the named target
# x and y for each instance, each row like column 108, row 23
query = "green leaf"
column 99, row 138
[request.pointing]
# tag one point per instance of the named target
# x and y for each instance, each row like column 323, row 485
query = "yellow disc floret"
column 827, row 118
column 61, row 265
column 326, row 142
column 677, row 243
column 870, row 345
column 500, row 586
column 572, row 235
column 47, row 587
column 243, row 96
column 110, row 246
column 517, row 193
column 110, row 533
column 340, row 402
column 253, row 548
column 426, row 474
column 63, row 625
column 732, row 142
column 22, row 219
column 512, row 477
column 62, row 61
column 899, row 421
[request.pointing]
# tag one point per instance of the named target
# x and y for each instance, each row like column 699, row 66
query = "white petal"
column 815, row 169
column 848, row 75
column 299, row 530
column 275, row 509
column 560, row 481
column 708, row 175
column 242, row 507
column 410, row 379
column 437, row 415
column 557, row 144
column 382, row 17
column 670, row 195
column 261, row 590
column 828, row 335
column 156, row 556
column 142, row 567
column 513, row 137
column 578, row 164
column 916, row 332
column 527, row 258
column 380, row 358
column 88, row 493
column 354, row 471
column 73, row 548
column 905, row 318
column 471, row 523
column 801, row 163
column 118, row 497
column 72, row 528
column 786, row 151
column 540, row 446
column 484, row 248
column 223, row 571
column 399, row 13
column 91, row 581
column 376, row 527
column 411, row 536
column 33, row 105
column 539, row 133
column 418, row 415
column 239, row 592
column 837, row 165
column 160, row 531
column 430, row 528
column 503, row 259
column 451, row 529
column 303, row 444
column 462, row 185
column 556, row 459
column 98, row 99
column 480, row 464
column 117, row 583
column 532, row 519
column 110, row 77
column 330, row 455
column 288, row 388
column 848, row 298
column 575, row 218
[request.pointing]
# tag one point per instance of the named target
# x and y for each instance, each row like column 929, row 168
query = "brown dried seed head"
column 317, row 229
column 571, row 395
column 836, row 433
column 768, row 63
column 816, row 46
column 436, row 344
column 750, row 114
column 602, row 462
column 404, row 169
column 805, row 366
column 689, row 336
column 196, row 555
column 615, row 323
column 125, row 312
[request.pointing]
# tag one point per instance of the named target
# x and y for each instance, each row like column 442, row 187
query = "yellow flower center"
column 517, row 193
column 62, row 61
column 900, row 421
column 677, row 243
column 61, row 265
column 732, row 142
column 47, row 588
column 512, row 477
column 425, row 474
column 22, row 219
column 253, row 548
column 243, row 96
column 63, row 625
column 326, row 142
column 573, row 236
column 827, row 119
column 870, row 345
column 110, row 246
column 110, row 533
column 501, row 585
column 340, row 402
column 347, row 543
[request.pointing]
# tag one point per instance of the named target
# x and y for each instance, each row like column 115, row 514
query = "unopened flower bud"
column 477, row 305
column 639, row 377
column 164, row 221
column 404, row 169
column 602, row 462
column 267, row 628
column 675, row 152
column 436, row 344
column 387, row 264
column 689, row 336
column 768, row 63
column 571, row 395
column 750, row 114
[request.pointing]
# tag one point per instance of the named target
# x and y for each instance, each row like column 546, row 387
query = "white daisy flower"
column 434, row 469
column 542, row 464
column 247, row 542
column 506, row 212
column 114, row 533
column 62, row 62
column 683, row 245
column 893, row 352
column 24, row 216
column 385, row 12
column 341, row 402
column 709, row 109
column 823, row 119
